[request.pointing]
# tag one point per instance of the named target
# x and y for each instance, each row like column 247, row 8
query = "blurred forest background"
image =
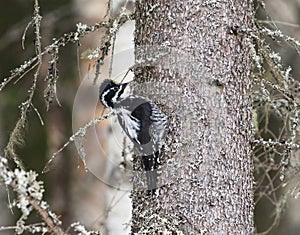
column 72, row 192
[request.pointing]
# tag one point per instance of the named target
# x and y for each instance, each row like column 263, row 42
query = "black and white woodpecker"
column 143, row 122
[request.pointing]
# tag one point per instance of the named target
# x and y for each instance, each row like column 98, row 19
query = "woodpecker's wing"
column 143, row 114
column 143, row 122
column 134, row 114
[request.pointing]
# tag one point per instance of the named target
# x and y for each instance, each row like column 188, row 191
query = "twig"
column 12, row 178
column 80, row 133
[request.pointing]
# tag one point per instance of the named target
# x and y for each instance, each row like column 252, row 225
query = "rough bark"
column 206, row 175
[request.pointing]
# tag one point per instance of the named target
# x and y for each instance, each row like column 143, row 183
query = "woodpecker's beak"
column 120, row 84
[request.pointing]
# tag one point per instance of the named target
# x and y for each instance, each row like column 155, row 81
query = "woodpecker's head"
column 110, row 92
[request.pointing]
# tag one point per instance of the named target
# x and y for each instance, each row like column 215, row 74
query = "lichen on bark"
column 206, row 176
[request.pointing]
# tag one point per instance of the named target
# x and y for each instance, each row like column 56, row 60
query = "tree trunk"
column 88, row 190
column 197, row 53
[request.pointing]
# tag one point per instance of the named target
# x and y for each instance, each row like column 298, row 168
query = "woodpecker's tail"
column 150, row 163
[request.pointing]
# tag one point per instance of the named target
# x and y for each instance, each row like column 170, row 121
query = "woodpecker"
column 142, row 121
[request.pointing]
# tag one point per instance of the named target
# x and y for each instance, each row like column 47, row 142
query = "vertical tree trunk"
column 88, row 191
column 204, row 84
column 60, row 178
